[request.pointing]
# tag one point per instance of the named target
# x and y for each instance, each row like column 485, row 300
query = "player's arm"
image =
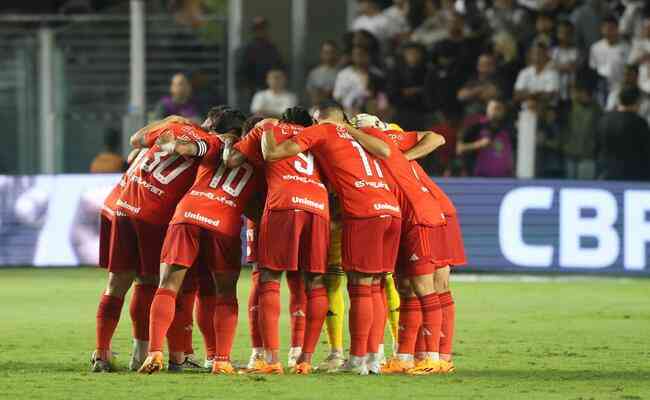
column 168, row 142
column 272, row 151
column 137, row 140
column 375, row 146
column 427, row 143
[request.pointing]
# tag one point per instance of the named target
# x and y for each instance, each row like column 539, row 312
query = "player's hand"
column 369, row 121
column 483, row 142
column 167, row 142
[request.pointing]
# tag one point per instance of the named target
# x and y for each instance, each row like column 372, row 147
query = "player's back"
column 218, row 194
column 157, row 180
column 356, row 175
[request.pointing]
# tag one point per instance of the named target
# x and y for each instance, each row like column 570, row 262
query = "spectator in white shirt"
column 273, row 101
column 320, row 81
column 565, row 58
column 539, row 83
column 607, row 57
column 397, row 14
column 353, row 83
column 374, row 21
column 640, row 54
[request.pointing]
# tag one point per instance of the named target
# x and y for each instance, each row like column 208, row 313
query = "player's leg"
column 360, row 319
column 297, row 307
column 144, row 291
column 424, row 288
column 205, row 309
column 255, row 331
column 225, row 319
column 177, row 334
column 108, row 316
column 410, row 320
column 448, row 317
column 376, row 337
column 335, row 282
column 393, row 306
column 269, row 314
column 316, row 314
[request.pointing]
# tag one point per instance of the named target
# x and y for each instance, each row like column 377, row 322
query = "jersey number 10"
column 227, row 184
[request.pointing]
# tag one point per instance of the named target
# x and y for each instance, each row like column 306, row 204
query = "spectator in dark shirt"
column 256, row 59
column 406, row 89
column 179, row 101
column 623, row 141
column 482, row 87
column 488, row 144
column 458, row 47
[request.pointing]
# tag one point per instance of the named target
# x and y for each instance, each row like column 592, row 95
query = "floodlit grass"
column 579, row 339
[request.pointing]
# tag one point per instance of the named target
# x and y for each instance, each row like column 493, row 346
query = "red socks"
column 225, row 325
column 204, row 317
column 410, row 320
column 431, row 322
column 361, row 314
column 161, row 317
column 179, row 335
column 139, row 310
column 270, row 314
column 316, row 314
column 297, row 306
column 448, row 321
column 253, row 311
column 379, row 315
column 108, row 315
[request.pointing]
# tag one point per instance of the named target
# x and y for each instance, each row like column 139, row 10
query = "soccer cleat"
column 304, row 368
column 265, row 368
column 356, row 368
column 292, row 359
column 396, row 366
column 374, row 363
column 332, row 363
column 222, row 368
column 136, row 362
column 175, row 367
column 191, row 363
column 446, row 367
column 138, row 354
column 255, row 360
column 207, row 364
column 99, row 365
column 425, row 367
column 153, row 363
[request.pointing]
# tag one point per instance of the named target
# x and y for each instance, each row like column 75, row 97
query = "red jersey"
column 415, row 200
column 293, row 183
column 157, row 180
column 408, row 140
column 356, row 176
column 108, row 208
column 218, row 195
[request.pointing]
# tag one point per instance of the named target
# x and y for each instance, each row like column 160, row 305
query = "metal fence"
column 72, row 74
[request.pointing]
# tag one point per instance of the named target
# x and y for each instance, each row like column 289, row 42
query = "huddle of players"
column 177, row 212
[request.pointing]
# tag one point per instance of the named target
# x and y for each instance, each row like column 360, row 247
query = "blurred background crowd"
column 467, row 70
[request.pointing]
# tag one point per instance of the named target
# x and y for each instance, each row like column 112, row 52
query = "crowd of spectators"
column 469, row 69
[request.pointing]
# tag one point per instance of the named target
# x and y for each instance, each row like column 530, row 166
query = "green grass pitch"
column 576, row 339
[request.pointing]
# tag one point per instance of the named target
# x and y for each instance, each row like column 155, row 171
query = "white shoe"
column 207, row 364
column 355, row 365
column 374, row 363
column 332, row 363
column 256, row 355
column 139, row 354
column 292, row 359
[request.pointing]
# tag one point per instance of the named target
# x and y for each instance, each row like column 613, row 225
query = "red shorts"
column 199, row 278
column 251, row 242
column 422, row 249
column 292, row 240
column 370, row 245
column 135, row 245
column 187, row 245
column 455, row 244
column 105, row 223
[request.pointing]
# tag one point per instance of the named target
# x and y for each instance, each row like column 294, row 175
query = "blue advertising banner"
column 508, row 225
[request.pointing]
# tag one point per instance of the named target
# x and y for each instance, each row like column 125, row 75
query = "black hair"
column 250, row 123
column 629, row 97
column 230, row 120
column 297, row 115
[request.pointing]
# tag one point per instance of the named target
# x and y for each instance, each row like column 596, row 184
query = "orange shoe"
column 396, row 366
column 268, row 369
column 303, row 368
column 153, row 363
column 222, row 368
column 446, row 367
column 425, row 367
column 256, row 365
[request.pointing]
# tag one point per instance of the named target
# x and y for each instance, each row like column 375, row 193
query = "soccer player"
column 422, row 222
column 371, row 214
column 297, row 209
column 416, row 145
column 204, row 231
column 129, row 252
